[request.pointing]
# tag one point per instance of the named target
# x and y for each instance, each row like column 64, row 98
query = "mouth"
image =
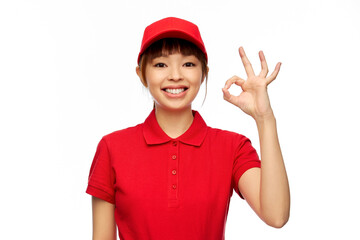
column 175, row 90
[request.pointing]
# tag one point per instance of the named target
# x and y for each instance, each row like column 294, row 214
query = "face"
column 174, row 80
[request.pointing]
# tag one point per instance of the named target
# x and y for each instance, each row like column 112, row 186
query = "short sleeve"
column 245, row 158
column 101, row 179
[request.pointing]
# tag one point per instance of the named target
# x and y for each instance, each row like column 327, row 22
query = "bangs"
column 168, row 46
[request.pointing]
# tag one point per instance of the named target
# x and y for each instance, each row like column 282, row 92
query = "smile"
column 174, row 90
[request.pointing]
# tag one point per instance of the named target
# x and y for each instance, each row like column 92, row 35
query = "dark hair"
column 168, row 46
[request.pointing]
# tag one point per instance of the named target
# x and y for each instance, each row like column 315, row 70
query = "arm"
column 266, row 189
column 104, row 227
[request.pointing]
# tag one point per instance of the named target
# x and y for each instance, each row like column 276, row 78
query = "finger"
column 231, row 81
column 248, row 67
column 240, row 82
column 274, row 74
column 264, row 66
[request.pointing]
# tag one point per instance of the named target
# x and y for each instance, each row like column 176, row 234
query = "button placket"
column 173, row 178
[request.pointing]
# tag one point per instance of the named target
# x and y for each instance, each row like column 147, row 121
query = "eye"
column 189, row 64
column 160, row 65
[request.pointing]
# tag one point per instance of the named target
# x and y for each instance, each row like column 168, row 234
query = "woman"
column 172, row 176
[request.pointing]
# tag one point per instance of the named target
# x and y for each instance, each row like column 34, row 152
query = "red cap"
column 171, row 27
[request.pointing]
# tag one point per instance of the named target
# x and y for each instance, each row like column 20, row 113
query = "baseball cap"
column 171, row 27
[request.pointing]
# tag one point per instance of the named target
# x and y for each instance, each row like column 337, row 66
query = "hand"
column 253, row 99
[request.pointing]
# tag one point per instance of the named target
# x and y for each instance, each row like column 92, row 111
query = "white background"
column 67, row 71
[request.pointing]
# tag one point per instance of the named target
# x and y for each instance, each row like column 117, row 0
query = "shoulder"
column 225, row 135
column 129, row 134
column 226, row 141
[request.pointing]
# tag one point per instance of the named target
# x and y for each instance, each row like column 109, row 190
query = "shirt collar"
column 195, row 135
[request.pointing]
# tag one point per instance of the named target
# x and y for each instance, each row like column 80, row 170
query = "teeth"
column 175, row 91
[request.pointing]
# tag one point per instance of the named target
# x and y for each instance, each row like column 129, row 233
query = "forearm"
column 104, row 226
column 274, row 187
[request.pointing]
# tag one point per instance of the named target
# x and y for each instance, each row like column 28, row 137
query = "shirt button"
column 174, row 186
column 173, row 172
column 174, row 157
column 174, row 144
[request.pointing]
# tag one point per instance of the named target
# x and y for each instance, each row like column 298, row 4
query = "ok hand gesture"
column 253, row 99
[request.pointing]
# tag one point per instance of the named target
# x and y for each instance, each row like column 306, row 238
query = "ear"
column 140, row 75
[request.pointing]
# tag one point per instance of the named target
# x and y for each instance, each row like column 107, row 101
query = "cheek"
column 151, row 82
column 198, row 80
column 153, row 87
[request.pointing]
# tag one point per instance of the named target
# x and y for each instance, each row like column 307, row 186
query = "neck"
column 174, row 123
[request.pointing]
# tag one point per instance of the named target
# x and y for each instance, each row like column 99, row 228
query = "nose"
column 175, row 74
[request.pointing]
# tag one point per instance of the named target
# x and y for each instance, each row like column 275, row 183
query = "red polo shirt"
column 166, row 188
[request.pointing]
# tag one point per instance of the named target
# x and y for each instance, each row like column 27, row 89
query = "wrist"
column 266, row 124
column 264, row 118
